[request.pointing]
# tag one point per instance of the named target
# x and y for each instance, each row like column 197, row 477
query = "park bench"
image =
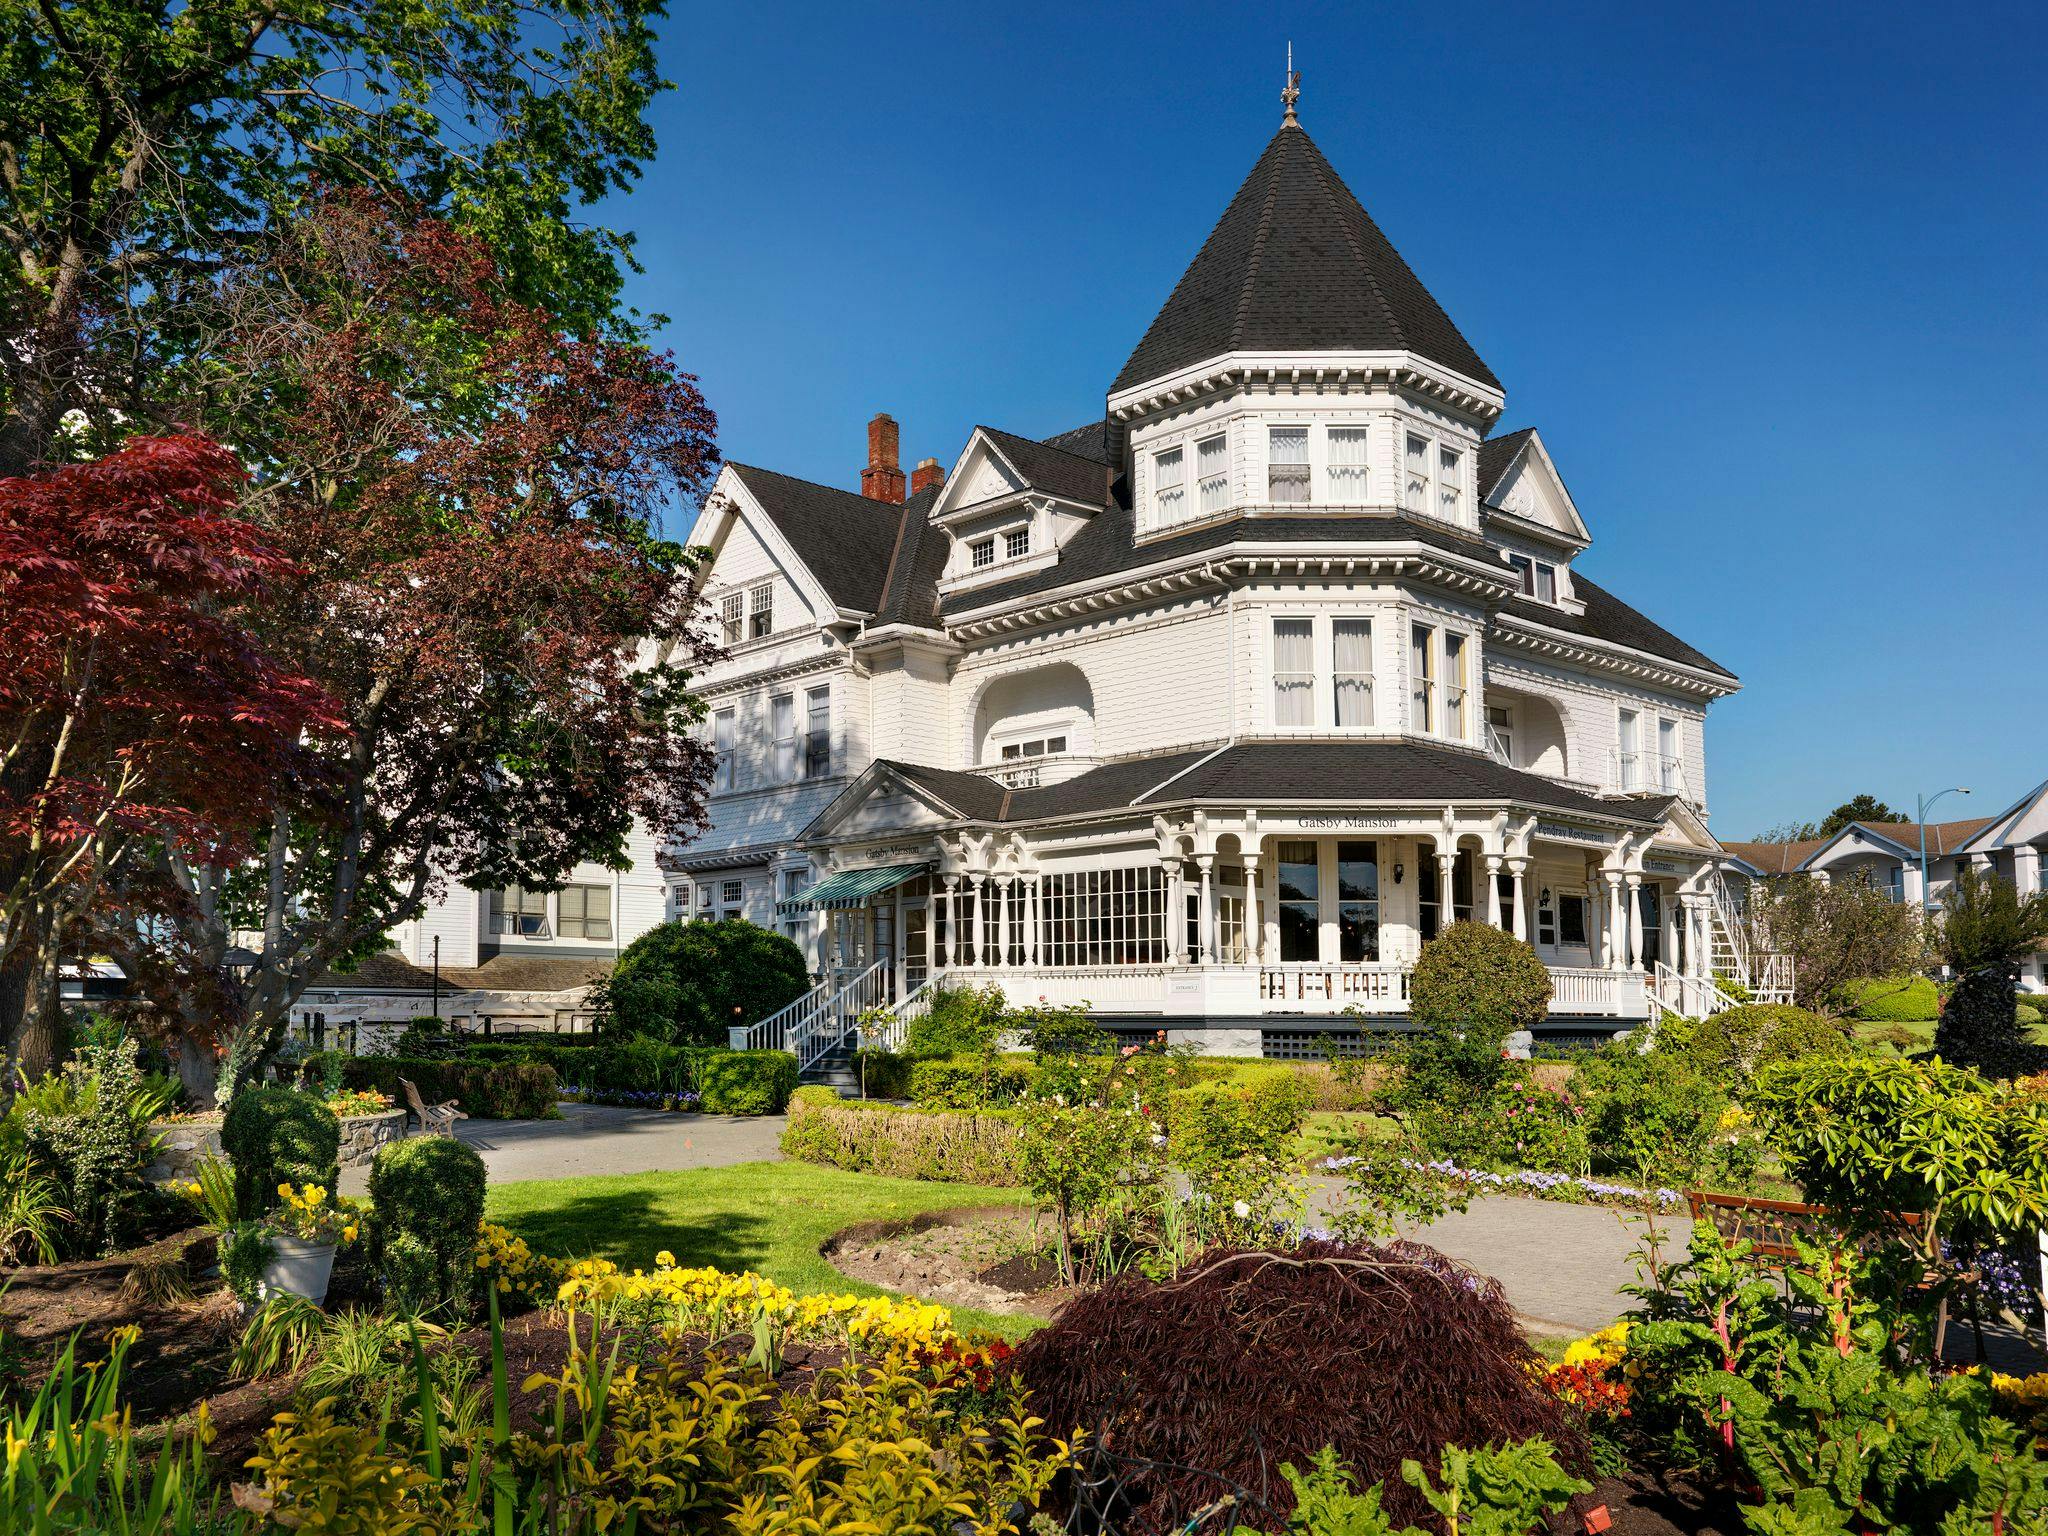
column 435, row 1119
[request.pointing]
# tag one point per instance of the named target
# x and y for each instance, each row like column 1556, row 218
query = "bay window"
column 1349, row 471
column 1169, row 495
column 1212, row 472
column 1454, row 686
column 1351, row 672
column 1287, row 469
column 1294, row 674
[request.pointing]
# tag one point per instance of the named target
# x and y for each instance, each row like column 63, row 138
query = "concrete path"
column 597, row 1139
column 1563, row 1265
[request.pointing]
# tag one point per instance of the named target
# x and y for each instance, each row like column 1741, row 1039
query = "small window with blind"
column 1287, row 466
column 1294, row 674
column 1415, row 475
column 1454, row 685
column 782, row 731
column 1169, row 487
column 1422, row 677
column 1546, row 583
column 732, row 617
column 1351, row 672
column 1349, row 480
column 586, row 912
column 1212, row 473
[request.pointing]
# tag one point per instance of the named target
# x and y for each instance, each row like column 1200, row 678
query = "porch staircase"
column 1764, row 974
column 824, row 1028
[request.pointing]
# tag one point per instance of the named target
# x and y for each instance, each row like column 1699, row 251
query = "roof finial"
column 1290, row 92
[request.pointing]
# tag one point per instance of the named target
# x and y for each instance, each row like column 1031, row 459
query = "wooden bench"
column 435, row 1119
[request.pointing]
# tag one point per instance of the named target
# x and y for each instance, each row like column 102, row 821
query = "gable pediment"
column 1533, row 491
column 982, row 475
column 880, row 802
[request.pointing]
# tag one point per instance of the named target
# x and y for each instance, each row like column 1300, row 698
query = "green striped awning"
column 849, row 888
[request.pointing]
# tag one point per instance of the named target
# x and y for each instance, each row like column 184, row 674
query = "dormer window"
column 761, row 612
column 1212, row 470
column 1169, row 493
column 1349, row 472
column 1415, row 481
column 1536, row 578
column 1546, row 583
column 1287, row 466
column 981, row 553
column 1450, row 485
column 1017, row 543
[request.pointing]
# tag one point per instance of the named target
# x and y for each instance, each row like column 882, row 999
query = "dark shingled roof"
column 1266, row 772
column 392, row 972
column 1608, row 618
column 1295, row 264
column 1090, row 441
column 911, row 593
column 1055, row 470
column 844, row 538
column 1495, row 455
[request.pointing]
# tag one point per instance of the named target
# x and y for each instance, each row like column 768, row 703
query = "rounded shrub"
column 962, row 1021
column 1894, row 999
column 687, row 983
column 1731, row 1046
column 278, row 1136
column 1190, row 1388
column 1471, row 988
column 427, row 1198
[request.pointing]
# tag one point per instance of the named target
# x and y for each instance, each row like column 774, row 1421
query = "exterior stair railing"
column 818, row 1022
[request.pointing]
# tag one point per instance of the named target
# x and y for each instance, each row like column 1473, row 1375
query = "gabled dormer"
column 1530, row 517
column 1010, row 505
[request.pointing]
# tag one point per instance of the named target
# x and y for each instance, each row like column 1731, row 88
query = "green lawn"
column 771, row 1218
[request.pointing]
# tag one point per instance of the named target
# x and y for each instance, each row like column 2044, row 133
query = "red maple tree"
column 137, row 712
column 468, row 493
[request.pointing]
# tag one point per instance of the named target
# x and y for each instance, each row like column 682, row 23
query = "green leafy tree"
column 147, row 146
column 1473, row 985
column 686, row 983
column 1867, row 809
column 1986, row 929
column 1837, row 932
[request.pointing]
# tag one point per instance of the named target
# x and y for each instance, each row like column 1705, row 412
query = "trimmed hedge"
column 507, row 1090
column 1894, row 1000
column 278, row 1136
column 638, row 1065
column 969, row 1082
column 952, row 1146
column 745, row 1082
column 426, row 1198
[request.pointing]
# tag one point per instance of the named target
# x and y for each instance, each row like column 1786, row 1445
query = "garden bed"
column 997, row 1258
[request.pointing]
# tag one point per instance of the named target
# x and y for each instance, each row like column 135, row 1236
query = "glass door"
column 885, row 942
column 916, row 945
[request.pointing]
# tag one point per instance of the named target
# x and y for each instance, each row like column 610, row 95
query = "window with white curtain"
column 1287, row 466
column 1351, row 672
column 1450, row 485
column 1454, row 686
column 1667, row 755
column 1212, row 473
column 1349, row 474
column 1415, row 475
column 1294, row 674
column 782, row 731
column 1546, row 583
column 1631, row 750
column 1422, row 676
column 1169, row 489
column 722, row 744
column 817, row 733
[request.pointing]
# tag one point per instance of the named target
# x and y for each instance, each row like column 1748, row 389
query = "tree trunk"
column 196, row 1069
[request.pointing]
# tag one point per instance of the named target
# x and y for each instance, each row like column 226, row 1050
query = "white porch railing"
column 1370, row 988
column 1689, row 997
column 914, row 1006
column 1596, row 993
column 1112, row 988
column 815, row 1023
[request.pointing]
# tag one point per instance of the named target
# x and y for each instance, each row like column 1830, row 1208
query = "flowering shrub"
column 1576, row 1189
column 1520, row 1125
column 306, row 1213
column 685, row 1100
column 356, row 1101
column 1595, row 1372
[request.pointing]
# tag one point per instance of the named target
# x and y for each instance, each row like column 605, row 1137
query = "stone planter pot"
column 297, row 1268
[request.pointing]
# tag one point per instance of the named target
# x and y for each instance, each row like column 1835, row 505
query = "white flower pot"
column 297, row 1268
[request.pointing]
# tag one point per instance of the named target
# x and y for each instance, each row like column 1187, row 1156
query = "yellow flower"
column 284, row 1191
column 348, row 1234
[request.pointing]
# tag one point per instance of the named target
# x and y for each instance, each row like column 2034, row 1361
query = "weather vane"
column 1290, row 93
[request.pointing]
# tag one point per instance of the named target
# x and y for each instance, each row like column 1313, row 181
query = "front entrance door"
column 916, row 945
column 885, row 942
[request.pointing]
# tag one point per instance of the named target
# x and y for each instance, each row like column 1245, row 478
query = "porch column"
column 1003, row 883
column 949, row 911
column 1493, row 890
column 1034, row 915
column 1519, row 868
column 1254, row 923
column 1596, row 918
column 2026, row 869
column 1616, row 935
column 980, row 942
column 1446, row 865
column 1635, row 922
column 1205, row 918
column 931, row 937
column 1176, row 912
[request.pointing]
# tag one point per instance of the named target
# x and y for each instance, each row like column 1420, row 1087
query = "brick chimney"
column 883, row 478
column 928, row 476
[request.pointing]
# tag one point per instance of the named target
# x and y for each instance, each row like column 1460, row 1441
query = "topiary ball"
column 427, row 1200
column 278, row 1136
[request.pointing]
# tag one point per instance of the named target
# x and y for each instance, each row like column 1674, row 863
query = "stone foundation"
column 187, row 1142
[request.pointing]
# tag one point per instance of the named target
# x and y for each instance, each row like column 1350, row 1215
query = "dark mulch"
column 1028, row 1274
column 1643, row 1504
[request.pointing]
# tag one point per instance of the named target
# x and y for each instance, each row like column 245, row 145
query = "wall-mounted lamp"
column 1400, row 869
column 1544, row 898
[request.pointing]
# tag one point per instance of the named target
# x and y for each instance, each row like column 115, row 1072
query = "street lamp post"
column 1920, row 816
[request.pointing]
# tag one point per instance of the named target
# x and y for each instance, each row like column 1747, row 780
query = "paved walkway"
column 1563, row 1265
column 598, row 1139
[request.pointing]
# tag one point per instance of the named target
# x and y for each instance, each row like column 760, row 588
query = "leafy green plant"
column 1473, row 985
column 246, row 1250
column 962, row 1021
column 1232, row 1141
column 745, row 1082
column 687, row 983
column 1085, row 1161
column 31, row 1212
column 985, row 1081
column 1389, row 1185
column 278, row 1136
column 1730, row 1047
column 279, row 1336
column 426, row 1198
column 87, row 1129
column 1653, row 1112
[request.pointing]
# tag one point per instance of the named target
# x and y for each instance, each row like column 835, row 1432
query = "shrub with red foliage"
column 1200, row 1386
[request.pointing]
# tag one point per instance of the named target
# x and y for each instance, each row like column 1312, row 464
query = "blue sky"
column 1769, row 279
